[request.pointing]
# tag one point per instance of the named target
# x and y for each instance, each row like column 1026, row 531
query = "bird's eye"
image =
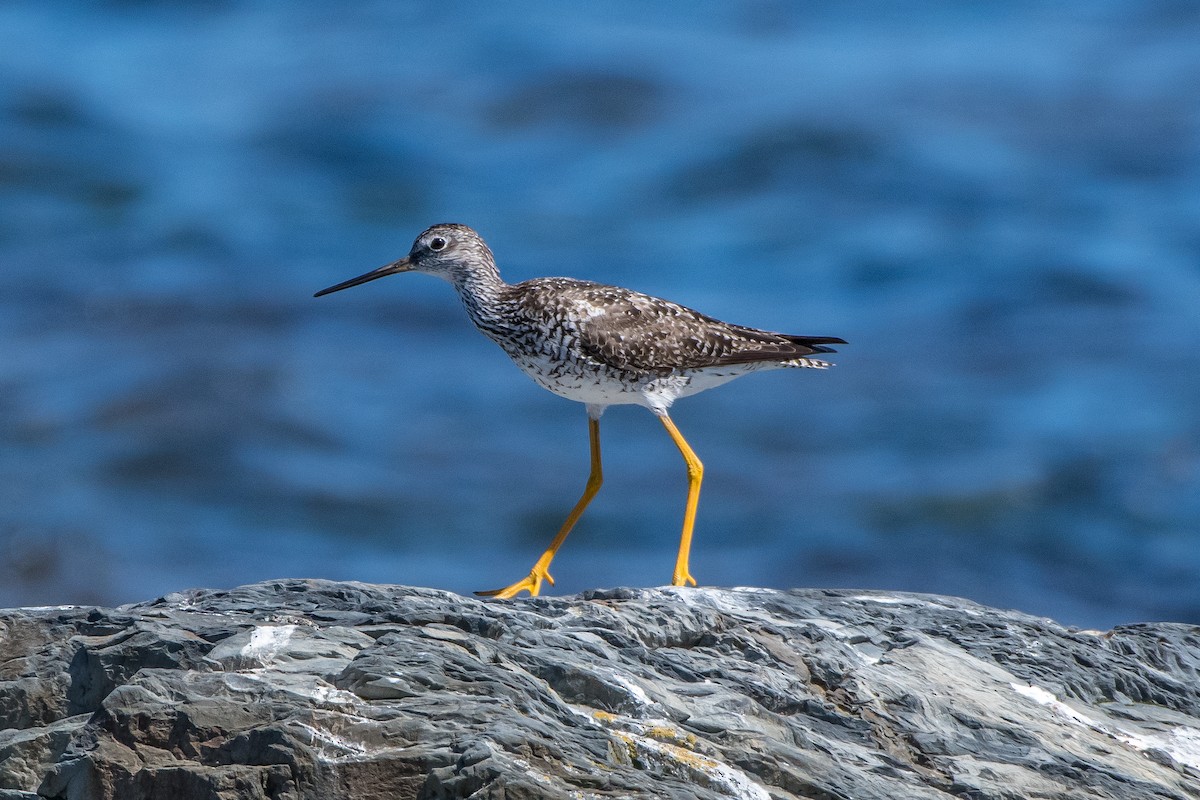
column 437, row 244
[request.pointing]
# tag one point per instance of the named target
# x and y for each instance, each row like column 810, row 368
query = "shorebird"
column 599, row 345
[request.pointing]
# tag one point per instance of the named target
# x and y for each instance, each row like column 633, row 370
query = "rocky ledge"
column 312, row 689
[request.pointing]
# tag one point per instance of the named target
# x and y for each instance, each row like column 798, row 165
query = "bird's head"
column 449, row 251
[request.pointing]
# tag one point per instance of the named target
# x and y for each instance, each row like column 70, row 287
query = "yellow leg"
column 532, row 583
column 695, row 471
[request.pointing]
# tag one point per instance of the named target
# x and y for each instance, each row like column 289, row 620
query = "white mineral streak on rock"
column 266, row 641
column 529, row 771
column 325, row 741
column 884, row 599
column 1181, row 743
column 327, row 695
column 636, row 692
column 729, row 781
column 666, row 748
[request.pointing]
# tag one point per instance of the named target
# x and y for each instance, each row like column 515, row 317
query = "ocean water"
column 997, row 204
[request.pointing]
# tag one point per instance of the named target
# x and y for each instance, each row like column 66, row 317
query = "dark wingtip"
column 816, row 342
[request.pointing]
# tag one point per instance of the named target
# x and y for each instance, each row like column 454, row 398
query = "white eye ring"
column 437, row 244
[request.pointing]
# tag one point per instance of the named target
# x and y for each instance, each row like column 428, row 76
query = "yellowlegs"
column 599, row 345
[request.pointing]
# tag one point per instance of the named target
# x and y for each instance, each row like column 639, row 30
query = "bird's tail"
column 810, row 363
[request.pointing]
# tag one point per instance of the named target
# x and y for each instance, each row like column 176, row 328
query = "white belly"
column 606, row 387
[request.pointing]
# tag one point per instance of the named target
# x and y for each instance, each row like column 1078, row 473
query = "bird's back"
column 635, row 332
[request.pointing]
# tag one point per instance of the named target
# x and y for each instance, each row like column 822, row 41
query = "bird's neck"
column 481, row 290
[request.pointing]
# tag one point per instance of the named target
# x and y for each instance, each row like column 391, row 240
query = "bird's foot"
column 682, row 577
column 531, row 583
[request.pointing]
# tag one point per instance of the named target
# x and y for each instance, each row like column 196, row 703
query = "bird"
column 599, row 345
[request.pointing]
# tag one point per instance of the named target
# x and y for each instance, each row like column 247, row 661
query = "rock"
column 301, row 690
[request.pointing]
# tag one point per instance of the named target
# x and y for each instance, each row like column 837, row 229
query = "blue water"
column 997, row 204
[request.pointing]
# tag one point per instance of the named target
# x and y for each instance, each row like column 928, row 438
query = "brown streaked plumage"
column 600, row 345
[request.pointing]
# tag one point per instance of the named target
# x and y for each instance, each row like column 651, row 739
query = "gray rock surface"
column 313, row 689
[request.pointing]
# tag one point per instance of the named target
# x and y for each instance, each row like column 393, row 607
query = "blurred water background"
column 996, row 203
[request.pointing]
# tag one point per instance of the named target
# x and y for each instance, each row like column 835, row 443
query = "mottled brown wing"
column 634, row 331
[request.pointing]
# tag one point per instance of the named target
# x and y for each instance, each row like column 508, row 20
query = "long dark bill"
column 403, row 265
